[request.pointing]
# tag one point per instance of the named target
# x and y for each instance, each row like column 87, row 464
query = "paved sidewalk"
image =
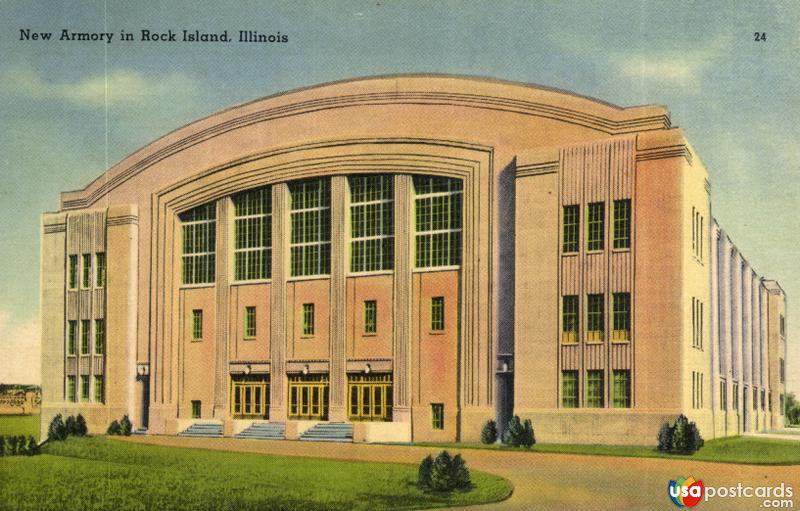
column 541, row 480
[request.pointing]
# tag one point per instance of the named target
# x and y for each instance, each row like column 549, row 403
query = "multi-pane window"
column 782, row 370
column 249, row 322
column 594, row 389
column 72, row 272
column 622, row 223
column 196, row 409
column 571, row 220
column 755, row 398
column 697, row 233
column 437, row 313
column 569, row 319
column 72, row 336
column 84, row 387
column 437, row 415
column 569, row 389
column 595, row 226
column 723, row 394
column 370, row 316
column 197, row 325
column 311, row 227
column 697, row 323
column 99, row 336
column 71, row 389
column 371, row 223
column 438, row 221
column 99, row 389
column 308, row 319
column 595, row 312
column 621, row 395
column 735, row 396
column 85, row 331
column 199, row 227
column 100, row 269
column 252, row 252
column 621, row 318
column 86, row 274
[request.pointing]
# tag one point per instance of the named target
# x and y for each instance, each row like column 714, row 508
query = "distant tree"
column 489, row 432
column 792, row 409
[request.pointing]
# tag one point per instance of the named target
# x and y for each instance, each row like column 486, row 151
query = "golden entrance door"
column 308, row 397
column 370, row 397
column 249, row 397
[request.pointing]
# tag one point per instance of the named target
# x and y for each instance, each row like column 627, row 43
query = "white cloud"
column 120, row 87
column 20, row 344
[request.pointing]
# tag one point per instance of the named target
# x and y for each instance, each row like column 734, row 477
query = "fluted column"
column 403, row 263
column 338, row 327
column 277, row 302
column 222, row 292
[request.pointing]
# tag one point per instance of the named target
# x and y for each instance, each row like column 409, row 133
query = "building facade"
column 411, row 255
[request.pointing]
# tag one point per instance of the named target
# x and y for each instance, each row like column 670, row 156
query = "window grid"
column 252, row 251
column 72, row 335
column 85, row 331
column 100, row 269
column 371, row 223
column 437, row 313
column 735, row 396
column 84, row 387
column 437, row 415
column 199, row 226
column 438, row 221
column 569, row 389
column 196, row 409
column 70, row 389
column 571, row 219
column 622, row 223
column 569, row 319
column 308, row 319
column 99, row 336
column 594, row 389
column 99, row 390
column 197, row 325
column 723, row 394
column 595, row 318
column 621, row 317
column 370, row 316
column 622, row 389
column 86, row 274
column 249, row 322
column 72, row 272
column 595, row 226
column 311, row 227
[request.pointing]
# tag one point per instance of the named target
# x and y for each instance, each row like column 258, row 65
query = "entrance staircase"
column 264, row 431
column 329, row 432
column 206, row 430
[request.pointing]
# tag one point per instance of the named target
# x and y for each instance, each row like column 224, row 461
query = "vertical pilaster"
column 403, row 211
column 277, row 301
column 222, row 291
column 338, row 376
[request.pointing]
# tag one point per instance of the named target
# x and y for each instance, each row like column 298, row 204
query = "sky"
column 71, row 109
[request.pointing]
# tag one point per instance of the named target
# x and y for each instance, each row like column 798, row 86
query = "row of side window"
column 698, row 323
column 84, row 265
column 595, row 389
column 698, row 234
column 595, row 226
column 595, row 318
column 73, row 392
column 84, row 326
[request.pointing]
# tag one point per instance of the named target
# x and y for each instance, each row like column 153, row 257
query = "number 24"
column 759, row 36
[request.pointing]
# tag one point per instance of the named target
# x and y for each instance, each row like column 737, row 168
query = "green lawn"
column 19, row 425
column 106, row 474
column 740, row 449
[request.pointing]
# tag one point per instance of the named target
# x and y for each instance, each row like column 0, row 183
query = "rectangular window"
column 371, row 223
column 252, row 251
column 621, row 397
column 782, row 326
column 71, row 389
column 769, row 397
column 249, row 322
column 595, row 226
column 763, row 400
column 437, row 415
column 735, row 396
column 199, row 229
column 569, row 319
column 622, row 223
column 594, row 389
column 781, row 403
column 100, row 269
column 85, row 332
column 595, row 318
column 308, row 319
column 437, row 313
column 86, row 275
column 370, row 316
column 782, row 370
column 99, row 390
column 437, row 213
column 310, row 205
column 197, row 325
column 622, row 317
column 571, row 221
column 99, row 336
column 84, row 387
column 196, row 409
column 72, row 272
column 755, row 398
column 72, row 336
column 569, row 389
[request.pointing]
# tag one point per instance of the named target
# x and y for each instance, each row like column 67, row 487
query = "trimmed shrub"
column 2, row 445
column 489, row 432
column 126, row 428
column 459, row 475
column 681, row 438
column 71, row 425
column 12, row 446
column 529, row 438
column 665, row 438
column 443, row 474
column 424, row 473
column 80, row 426
column 518, row 433
column 31, row 447
column 57, row 430
column 114, row 429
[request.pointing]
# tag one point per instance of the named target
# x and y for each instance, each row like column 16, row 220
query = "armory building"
column 401, row 259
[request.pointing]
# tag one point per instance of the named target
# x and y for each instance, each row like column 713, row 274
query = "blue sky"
column 70, row 110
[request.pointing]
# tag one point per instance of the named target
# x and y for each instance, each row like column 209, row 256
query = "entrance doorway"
column 370, row 397
column 250, row 397
column 308, row 397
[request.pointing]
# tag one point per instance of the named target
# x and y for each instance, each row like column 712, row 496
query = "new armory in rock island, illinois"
column 402, row 258
column 187, row 36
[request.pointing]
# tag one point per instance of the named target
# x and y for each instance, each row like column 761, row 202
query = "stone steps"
column 203, row 430
column 264, row 431
column 329, row 432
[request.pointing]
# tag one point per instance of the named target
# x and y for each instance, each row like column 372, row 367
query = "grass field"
column 741, row 449
column 19, row 425
column 104, row 474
